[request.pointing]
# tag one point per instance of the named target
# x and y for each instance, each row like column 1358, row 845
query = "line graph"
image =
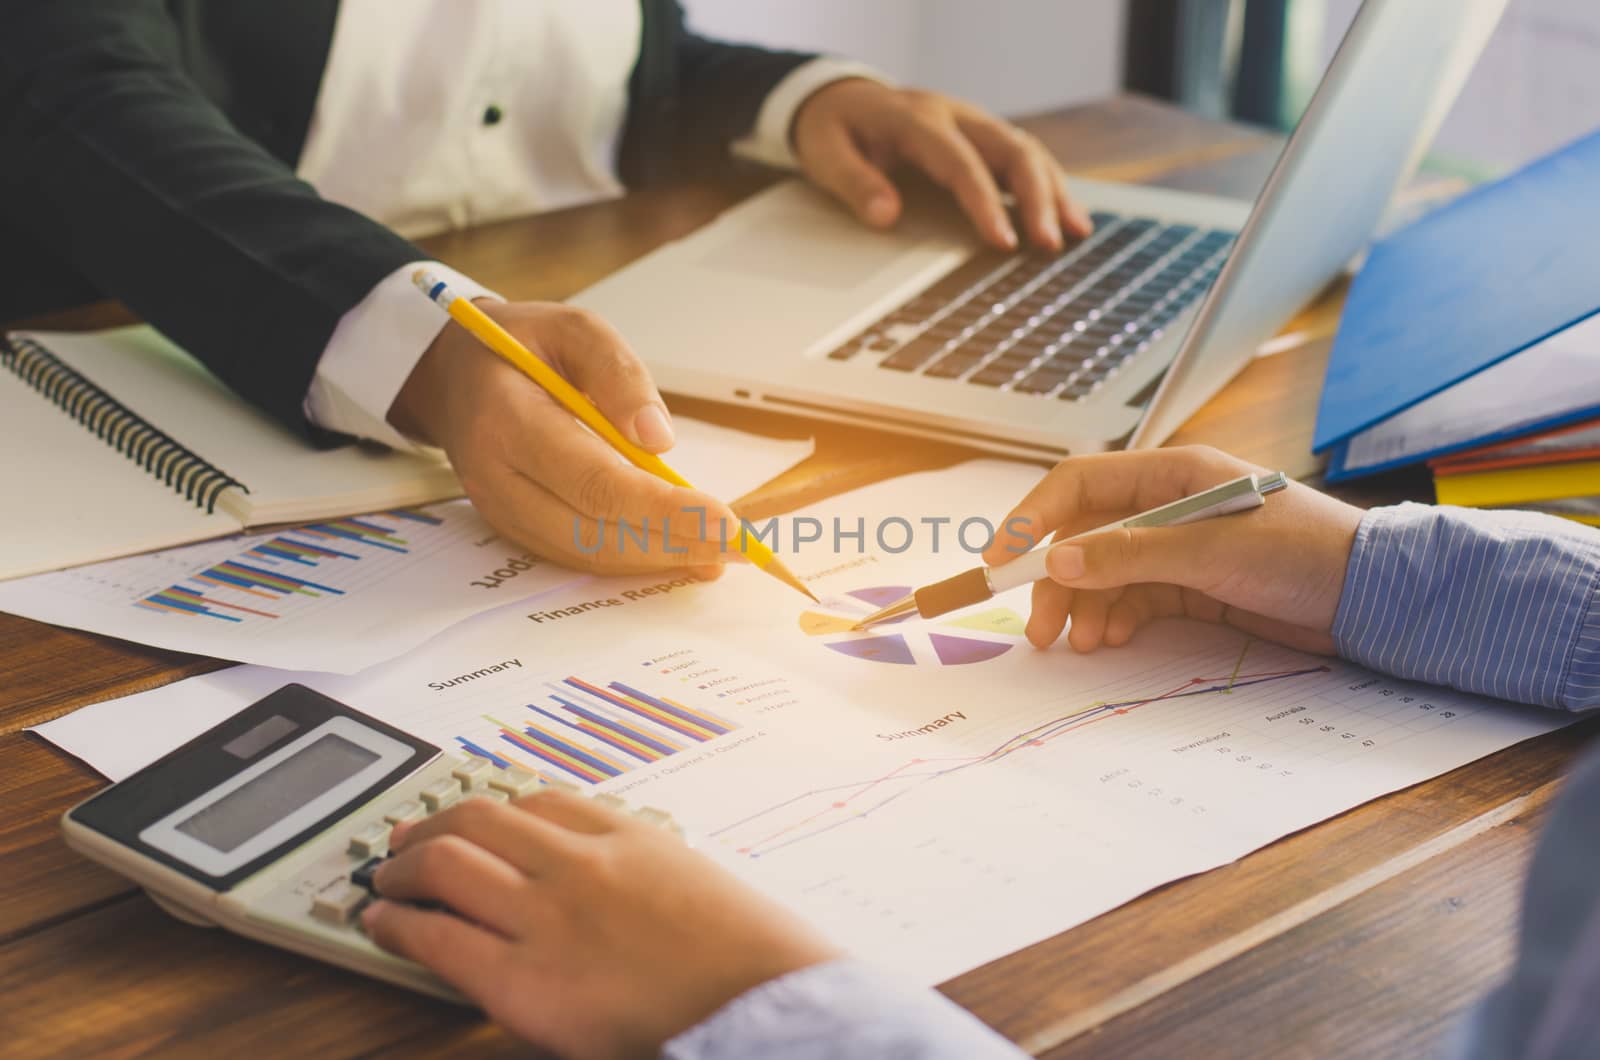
column 842, row 804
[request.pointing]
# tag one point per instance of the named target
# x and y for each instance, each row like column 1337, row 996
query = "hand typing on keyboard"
column 849, row 134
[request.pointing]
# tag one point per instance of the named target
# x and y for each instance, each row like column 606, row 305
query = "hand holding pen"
column 1277, row 572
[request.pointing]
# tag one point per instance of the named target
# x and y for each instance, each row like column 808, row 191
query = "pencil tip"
column 787, row 577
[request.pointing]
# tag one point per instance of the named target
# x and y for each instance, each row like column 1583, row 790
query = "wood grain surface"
column 1364, row 935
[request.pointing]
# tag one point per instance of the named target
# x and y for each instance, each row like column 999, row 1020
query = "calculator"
column 272, row 823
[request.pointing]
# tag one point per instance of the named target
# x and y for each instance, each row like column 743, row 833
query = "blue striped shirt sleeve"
column 1496, row 602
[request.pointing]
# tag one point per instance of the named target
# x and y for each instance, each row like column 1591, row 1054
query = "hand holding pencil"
column 542, row 461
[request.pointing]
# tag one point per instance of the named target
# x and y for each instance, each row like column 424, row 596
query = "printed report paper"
column 343, row 594
column 931, row 794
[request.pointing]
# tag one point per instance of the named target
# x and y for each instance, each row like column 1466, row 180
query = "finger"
column 835, row 162
column 530, row 432
column 1122, row 482
column 1124, row 618
column 1033, row 186
column 1073, row 213
column 1138, row 606
column 553, row 449
column 1028, row 173
column 524, row 511
column 518, row 839
column 1192, row 556
column 456, row 873
column 1089, row 611
column 572, row 812
column 595, row 358
column 462, row 954
column 938, row 148
column 1052, row 604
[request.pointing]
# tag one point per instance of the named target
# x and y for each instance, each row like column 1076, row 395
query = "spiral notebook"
column 118, row 442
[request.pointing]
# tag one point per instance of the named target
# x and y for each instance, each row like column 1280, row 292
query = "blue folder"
column 1504, row 267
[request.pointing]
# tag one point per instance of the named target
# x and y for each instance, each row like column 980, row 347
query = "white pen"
column 981, row 583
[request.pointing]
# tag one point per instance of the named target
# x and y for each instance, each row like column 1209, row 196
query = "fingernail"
column 370, row 913
column 1065, row 562
column 1081, row 220
column 880, row 209
column 1052, row 233
column 652, row 430
column 1008, row 234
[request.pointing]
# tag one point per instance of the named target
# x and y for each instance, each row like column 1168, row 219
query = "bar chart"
column 592, row 731
column 245, row 587
column 336, row 595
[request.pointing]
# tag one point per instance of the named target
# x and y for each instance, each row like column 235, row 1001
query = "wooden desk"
column 1366, row 934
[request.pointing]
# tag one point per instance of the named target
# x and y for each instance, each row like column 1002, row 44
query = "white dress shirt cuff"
column 768, row 143
column 840, row 1009
column 373, row 350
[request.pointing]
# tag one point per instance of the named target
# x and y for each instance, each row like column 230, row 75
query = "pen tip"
column 900, row 607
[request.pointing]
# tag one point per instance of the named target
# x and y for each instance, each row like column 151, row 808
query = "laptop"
column 786, row 302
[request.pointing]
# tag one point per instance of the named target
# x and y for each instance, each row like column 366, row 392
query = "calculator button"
column 473, row 773
column 371, row 841
column 614, row 803
column 337, row 903
column 566, row 787
column 362, row 876
column 515, row 782
column 440, row 794
column 404, row 811
column 492, row 794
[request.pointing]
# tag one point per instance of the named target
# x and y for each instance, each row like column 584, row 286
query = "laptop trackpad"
column 806, row 243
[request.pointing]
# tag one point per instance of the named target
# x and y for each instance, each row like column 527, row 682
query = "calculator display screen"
column 273, row 795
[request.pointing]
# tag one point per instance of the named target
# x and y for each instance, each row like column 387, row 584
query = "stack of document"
column 1475, row 327
column 1555, row 471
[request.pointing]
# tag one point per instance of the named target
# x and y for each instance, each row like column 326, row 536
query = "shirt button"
column 492, row 114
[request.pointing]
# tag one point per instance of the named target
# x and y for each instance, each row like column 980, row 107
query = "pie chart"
column 910, row 641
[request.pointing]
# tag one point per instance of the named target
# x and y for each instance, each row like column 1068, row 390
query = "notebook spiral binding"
column 117, row 425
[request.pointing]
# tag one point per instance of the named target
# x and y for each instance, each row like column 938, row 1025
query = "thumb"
column 835, row 163
column 1121, row 557
column 596, row 359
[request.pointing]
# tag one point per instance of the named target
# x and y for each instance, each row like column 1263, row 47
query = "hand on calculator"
column 577, row 928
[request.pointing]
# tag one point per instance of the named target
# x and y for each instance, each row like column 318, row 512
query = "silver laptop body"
column 786, row 302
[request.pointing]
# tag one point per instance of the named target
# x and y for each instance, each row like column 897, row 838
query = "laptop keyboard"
column 1050, row 326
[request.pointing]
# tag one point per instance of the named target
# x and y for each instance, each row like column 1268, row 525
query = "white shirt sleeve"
column 373, row 350
column 768, row 143
column 840, row 1009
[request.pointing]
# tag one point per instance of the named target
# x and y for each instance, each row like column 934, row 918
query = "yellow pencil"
column 501, row 341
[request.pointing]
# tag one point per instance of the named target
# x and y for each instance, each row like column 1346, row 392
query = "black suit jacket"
column 147, row 154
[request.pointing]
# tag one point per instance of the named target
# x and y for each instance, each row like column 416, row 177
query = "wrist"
column 418, row 410
column 824, row 98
